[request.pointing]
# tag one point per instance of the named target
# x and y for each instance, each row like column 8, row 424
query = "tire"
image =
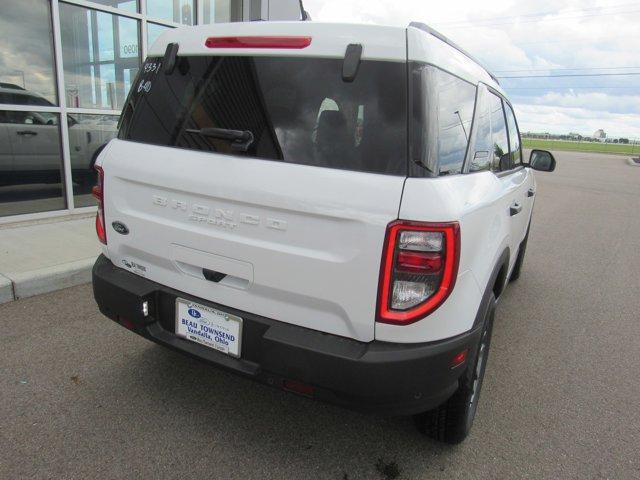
column 517, row 267
column 451, row 422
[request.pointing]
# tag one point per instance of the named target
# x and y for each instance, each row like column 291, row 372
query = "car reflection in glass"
column 30, row 142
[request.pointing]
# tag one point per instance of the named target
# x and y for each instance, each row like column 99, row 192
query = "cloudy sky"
column 585, row 45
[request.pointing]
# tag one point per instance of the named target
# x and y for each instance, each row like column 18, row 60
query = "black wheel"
column 515, row 273
column 451, row 422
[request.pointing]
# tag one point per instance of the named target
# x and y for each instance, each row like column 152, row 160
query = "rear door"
column 513, row 178
column 526, row 190
column 295, row 222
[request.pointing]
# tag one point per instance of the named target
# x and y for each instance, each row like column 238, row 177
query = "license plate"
column 208, row 326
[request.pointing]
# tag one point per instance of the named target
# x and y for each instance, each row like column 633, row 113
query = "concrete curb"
column 6, row 290
column 44, row 280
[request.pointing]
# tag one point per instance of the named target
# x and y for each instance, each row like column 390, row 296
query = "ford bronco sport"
column 330, row 209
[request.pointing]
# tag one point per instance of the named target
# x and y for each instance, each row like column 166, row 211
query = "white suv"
column 330, row 209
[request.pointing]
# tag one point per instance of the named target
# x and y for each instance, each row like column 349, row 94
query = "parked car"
column 330, row 209
column 30, row 141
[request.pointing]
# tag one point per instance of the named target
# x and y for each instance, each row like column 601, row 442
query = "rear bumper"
column 391, row 378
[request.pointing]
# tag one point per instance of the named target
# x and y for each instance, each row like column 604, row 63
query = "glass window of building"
column 221, row 11
column 154, row 31
column 87, row 134
column 26, row 67
column 31, row 178
column 125, row 5
column 101, row 57
column 176, row 11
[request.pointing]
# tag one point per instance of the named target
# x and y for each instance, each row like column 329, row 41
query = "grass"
column 596, row 147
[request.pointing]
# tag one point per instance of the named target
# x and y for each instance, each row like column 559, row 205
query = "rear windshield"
column 298, row 110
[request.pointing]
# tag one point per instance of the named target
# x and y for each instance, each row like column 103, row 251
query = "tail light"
column 419, row 269
column 98, row 193
column 258, row 42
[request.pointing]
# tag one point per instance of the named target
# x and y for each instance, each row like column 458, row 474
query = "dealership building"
column 66, row 67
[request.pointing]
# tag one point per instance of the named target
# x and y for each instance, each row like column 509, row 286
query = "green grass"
column 595, row 147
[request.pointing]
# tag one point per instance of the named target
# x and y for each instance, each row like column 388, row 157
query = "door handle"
column 26, row 132
column 531, row 192
column 515, row 209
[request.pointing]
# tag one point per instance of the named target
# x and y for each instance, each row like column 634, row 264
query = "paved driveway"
column 81, row 397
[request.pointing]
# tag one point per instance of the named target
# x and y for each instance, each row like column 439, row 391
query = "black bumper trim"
column 384, row 377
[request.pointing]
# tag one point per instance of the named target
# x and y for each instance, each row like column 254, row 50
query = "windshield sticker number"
column 144, row 85
column 152, row 67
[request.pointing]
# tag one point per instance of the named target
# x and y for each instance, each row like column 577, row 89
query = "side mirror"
column 542, row 161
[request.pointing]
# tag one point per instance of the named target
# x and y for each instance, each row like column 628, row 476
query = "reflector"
column 298, row 387
column 459, row 359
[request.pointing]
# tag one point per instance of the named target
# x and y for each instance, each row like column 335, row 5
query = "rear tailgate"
column 299, row 244
column 296, row 223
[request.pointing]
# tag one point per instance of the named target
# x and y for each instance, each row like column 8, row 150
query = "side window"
column 514, row 137
column 31, row 118
column 500, row 142
column 455, row 102
column 482, row 153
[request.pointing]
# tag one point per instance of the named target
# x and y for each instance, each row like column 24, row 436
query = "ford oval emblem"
column 194, row 313
column 120, row 227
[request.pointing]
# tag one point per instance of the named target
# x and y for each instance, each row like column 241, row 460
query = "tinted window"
column 501, row 157
column 455, row 102
column 298, row 110
column 441, row 118
column 514, row 136
column 482, row 153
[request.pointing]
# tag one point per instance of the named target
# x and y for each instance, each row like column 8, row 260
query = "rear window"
column 298, row 110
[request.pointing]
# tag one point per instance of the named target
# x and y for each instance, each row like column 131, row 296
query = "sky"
column 586, row 45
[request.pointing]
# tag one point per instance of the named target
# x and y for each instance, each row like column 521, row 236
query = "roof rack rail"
column 426, row 28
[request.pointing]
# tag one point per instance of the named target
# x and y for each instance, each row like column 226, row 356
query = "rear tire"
column 451, row 422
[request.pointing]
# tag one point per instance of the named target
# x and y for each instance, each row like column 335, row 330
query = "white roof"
column 330, row 40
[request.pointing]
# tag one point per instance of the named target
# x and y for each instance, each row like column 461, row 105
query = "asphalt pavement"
column 81, row 397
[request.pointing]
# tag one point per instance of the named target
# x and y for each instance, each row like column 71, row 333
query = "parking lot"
column 81, row 397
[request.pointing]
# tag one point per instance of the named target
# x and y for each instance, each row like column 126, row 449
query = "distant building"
column 599, row 135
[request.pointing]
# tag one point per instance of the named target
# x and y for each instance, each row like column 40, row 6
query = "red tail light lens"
column 419, row 269
column 418, row 262
column 98, row 193
column 258, row 42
